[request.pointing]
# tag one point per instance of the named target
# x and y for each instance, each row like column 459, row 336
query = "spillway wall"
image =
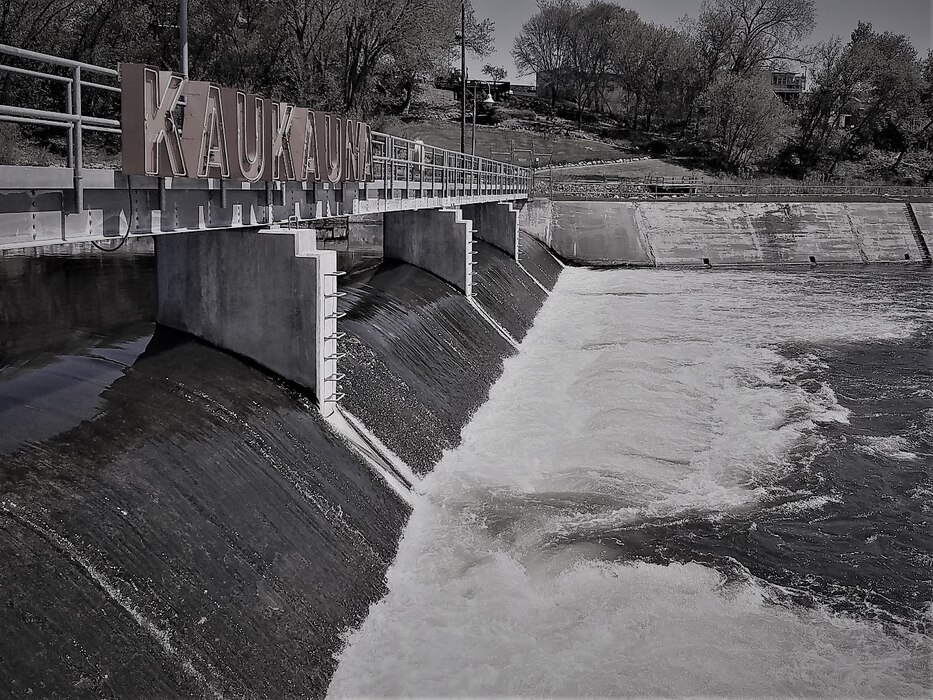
column 729, row 233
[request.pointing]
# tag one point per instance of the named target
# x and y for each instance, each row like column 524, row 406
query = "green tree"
column 744, row 120
column 879, row 82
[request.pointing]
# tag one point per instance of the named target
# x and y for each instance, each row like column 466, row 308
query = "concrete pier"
column 436, row 240
column 495, row 223
column 269, row 297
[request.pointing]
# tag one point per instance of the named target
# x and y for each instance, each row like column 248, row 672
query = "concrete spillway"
column 176, row 519
column 732, row 233
column 180, row 519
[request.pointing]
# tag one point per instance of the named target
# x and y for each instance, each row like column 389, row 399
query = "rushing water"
column 701, row 483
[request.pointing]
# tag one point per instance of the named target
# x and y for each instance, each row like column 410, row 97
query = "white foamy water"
column 637, row 395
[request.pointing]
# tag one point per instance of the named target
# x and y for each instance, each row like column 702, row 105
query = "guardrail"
column 403, row 164
column 677, row 188
column 398, row 164
column 72, row 118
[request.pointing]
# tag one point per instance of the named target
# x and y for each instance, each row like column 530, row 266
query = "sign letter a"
column 303, row 145
column 204, row 137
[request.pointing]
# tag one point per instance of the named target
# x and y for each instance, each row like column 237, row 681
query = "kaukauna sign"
column 232, row 135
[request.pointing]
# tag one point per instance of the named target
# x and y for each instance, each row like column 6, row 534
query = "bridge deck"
column 36, row 204
column 46, row 205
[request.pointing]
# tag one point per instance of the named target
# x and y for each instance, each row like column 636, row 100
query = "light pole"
column 183, row 35
column 463, row 77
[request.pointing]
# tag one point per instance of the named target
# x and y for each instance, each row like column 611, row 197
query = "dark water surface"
column 851, row 524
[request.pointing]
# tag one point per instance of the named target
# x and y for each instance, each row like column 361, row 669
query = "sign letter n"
column 151, row 138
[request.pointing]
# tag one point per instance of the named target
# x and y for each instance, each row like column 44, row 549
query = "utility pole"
column 183, row 35
column 463, row 76
column 473, row 140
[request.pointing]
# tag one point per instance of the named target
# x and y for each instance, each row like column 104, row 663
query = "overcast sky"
column 836, row 17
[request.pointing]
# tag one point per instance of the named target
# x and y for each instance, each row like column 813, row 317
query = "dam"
column 610, row 473
column 464, row 467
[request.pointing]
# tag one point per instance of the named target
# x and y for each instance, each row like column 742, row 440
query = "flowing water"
column 174, row 522
column 701, row 483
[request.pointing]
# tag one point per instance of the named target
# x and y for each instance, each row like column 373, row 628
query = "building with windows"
column 791, row 85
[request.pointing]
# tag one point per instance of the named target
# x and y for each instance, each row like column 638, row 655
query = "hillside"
column 435, row 119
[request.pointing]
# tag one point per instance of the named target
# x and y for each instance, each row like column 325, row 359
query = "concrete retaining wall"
column 727, row 233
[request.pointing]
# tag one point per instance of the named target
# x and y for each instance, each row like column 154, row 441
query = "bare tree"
column 744, row 35
column 542, row 45
column 496, row 73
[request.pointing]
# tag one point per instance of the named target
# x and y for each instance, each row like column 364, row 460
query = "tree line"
column 709, row 79
column 358, row 56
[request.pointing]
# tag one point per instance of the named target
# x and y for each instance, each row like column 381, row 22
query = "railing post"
column 408, row 160
column 422, row 160
column 269, row 212
column 390, row 164
column 78, row 165
column 71, row 127
column 445, row 178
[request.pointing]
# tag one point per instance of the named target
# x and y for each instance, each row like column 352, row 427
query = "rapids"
column 685, row 483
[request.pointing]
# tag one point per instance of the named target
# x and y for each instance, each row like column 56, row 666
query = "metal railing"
column 400, row 166
column 72, row 119
column 674, row 188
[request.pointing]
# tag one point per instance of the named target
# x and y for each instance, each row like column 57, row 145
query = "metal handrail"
column 33, row 73
column 398, row 163
column 60, row 116
column 55, row 60
column 73, row 119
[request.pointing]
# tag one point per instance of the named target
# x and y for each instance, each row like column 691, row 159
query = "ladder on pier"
column 918, row 233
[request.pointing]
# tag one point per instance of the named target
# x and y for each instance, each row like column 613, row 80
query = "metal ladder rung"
column 335, row 317
column 336, row 336
column 335, row 358
column 335, row 377
column 335, row 398
column 335, row 295
column 338, row 273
